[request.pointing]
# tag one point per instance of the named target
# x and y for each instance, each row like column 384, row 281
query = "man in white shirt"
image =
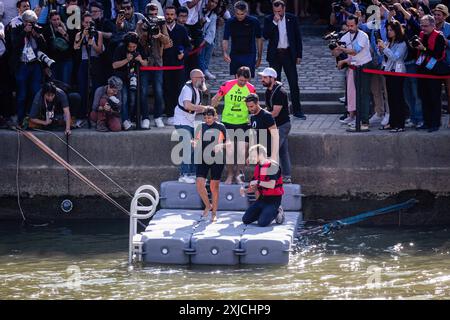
column 189, row 104
column 357, row 47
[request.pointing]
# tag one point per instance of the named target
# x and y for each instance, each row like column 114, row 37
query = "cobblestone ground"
column 317, row 72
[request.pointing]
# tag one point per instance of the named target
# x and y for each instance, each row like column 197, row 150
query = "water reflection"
column 353, row 263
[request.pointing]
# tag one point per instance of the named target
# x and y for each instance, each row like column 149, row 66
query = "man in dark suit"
column 285, row 49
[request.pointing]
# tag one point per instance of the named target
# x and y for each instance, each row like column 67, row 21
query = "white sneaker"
column 159, row 123
column 145, row 124
column 342, row 100
column 127, row 125
column 170, row 121
column 80, row 123
column 375, row 119
column 186, row 179
column 409, row 124
column 385, row 120
column 280, row 216
column 347, row 120
column 209, row 75
column 352, row 123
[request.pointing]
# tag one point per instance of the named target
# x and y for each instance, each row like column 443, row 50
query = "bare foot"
column 206, row 211
column 213, row 217
column 229, row 180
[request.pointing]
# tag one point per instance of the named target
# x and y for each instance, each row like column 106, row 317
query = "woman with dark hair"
column 395, row 51
column 89, row 43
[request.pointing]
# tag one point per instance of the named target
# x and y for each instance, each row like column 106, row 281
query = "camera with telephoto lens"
column 113, row 103
column 338, row 6
column 153, row 25
column 91, row 29
column 42, row 57
column 334, row 42
column 414, row 42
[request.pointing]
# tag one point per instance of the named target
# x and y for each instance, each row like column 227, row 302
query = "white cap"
column 268, row 72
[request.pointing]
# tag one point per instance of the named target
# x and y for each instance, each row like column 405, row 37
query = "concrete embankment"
column 340, row 173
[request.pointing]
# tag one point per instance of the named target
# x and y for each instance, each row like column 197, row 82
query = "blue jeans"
column 205, row 56
column 28, row 81
column 411, row 92
column 156, row 79
column 285, row 160
column 128, row 103
column 262, row 211
column 83, row 86
column 139, row 5
column 187, row 167
column 62, row 71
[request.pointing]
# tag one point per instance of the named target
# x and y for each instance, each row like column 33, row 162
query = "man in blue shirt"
column 246, row 37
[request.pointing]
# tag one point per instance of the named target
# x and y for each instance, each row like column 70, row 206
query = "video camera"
column 153, row 25
column 334, row 42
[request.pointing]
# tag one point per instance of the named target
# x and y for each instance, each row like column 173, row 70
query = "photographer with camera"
column 107, row 28
column 431, row 60
column 26, row 48
column 90, row 42
column 376, row 30
column 440, row 13
column 51, row 109
column 128, row 57
column 127, row 19
column 395, row 51
column 357, row 49
column 174, row 56
column 59, row 47
column 411, row 92
column 341, row 10
column 153, row 38
column 107, row 106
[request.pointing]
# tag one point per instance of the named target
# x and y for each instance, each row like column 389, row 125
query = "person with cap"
column 26, row 44
column 277, row 103
column 107, row 106
column 235, row 117
column 285, row 49
column 440, row 13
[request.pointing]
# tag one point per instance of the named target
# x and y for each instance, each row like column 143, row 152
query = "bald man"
column 189, row 103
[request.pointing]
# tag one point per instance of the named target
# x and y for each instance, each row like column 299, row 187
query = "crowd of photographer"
column 79, row 46
column 396, row 40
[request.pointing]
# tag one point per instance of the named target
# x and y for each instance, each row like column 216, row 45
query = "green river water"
column 89, row 261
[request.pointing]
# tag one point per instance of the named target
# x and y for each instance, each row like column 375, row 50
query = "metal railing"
column 144, row 192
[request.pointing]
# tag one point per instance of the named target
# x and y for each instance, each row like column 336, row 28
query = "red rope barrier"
column 402, row 74
column 166, row 68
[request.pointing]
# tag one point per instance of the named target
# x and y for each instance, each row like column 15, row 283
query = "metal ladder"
column 135, row 248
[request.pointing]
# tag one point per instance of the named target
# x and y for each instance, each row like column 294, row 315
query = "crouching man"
column 107, row 106
column 267, row 184
column 51, row 109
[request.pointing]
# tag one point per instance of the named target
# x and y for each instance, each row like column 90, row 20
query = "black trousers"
column 173, row 83
column 396, row 99
column 430, row 94
column 284, row 61
column 6, row 89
